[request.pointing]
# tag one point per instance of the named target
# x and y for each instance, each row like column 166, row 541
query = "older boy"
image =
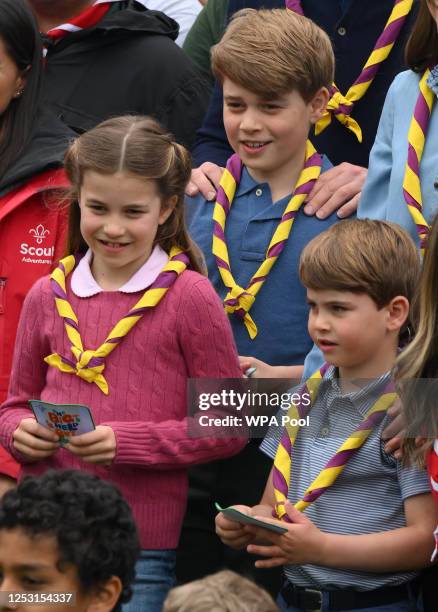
column 65, row 533
column 360, row 543
column 275, row 67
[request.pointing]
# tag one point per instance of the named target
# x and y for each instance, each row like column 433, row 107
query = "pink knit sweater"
column 186, row 335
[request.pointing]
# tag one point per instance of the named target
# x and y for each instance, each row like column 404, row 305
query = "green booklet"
column 240, row 517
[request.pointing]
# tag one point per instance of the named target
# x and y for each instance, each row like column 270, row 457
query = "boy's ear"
column 106, row 597
column 398, row 312
column 167, row 209
column 318, row 104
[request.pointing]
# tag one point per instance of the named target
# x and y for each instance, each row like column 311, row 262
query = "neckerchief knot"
column 239, row 301
column 341, row 106
column 90, row 364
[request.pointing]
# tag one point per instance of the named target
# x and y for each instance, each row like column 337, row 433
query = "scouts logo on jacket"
column 40, row 234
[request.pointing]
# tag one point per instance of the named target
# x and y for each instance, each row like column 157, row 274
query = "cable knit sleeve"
column 28, row 375
column 209, row 350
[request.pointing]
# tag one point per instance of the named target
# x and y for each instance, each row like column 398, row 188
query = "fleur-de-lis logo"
column 39, row 233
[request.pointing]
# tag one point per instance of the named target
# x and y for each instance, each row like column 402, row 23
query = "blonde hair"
column 225, row 591
column 363, row 256
column 420, row 361
column 273, row 52
column 141, row 147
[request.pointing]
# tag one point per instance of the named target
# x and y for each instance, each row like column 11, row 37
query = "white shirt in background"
column 183, row 11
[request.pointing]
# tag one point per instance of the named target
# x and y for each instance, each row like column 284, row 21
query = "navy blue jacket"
column 353, row 35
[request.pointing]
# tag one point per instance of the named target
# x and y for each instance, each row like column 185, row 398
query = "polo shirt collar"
column 84, row 285
column 248, row 184
column 363, row 399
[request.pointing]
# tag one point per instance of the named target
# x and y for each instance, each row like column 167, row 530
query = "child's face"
column 268, row 135
column 348, row 328
column 120, row 216
column 31, row 564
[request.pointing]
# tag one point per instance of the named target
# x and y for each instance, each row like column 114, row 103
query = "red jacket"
column 32, row 230
column 32, row 237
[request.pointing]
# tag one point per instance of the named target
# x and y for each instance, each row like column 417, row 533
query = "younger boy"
column 66, row 532
column 275, row 68
column 359, row 545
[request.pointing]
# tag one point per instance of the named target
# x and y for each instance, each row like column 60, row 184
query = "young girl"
column 420, row 361
column 121, row 330
column 402, row 182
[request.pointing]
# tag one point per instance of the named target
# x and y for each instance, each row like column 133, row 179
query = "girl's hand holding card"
column 34, row 441
column 98, row 446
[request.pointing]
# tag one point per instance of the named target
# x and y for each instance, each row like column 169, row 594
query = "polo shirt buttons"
column 259, row 192
column 342, row 31
column 325, row 431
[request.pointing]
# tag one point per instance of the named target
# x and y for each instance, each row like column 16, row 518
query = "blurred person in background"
column 32, row 144
column 105, row 58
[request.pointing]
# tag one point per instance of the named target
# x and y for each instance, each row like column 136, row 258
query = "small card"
column 240, row 517
column 65, row 420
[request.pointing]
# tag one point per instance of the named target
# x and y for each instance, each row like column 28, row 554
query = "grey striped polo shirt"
column 366, row 498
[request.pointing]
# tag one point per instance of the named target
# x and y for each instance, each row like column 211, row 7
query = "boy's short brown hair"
column 224, row 590
column 273, row 52
column 363, row 256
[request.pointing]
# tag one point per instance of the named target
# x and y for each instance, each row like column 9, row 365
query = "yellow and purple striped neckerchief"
column 89, row 364
column 282, row 470
column 341, row 106
column 416, row 143
column 239, row 300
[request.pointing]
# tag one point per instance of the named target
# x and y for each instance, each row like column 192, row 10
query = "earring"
column 19, row 93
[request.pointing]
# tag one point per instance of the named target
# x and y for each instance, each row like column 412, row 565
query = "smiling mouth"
column 255, row 145
column 113, row 245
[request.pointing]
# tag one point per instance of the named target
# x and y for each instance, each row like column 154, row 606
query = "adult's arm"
column 373, row 202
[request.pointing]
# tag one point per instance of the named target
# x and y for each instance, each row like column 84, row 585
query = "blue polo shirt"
column 280, row 309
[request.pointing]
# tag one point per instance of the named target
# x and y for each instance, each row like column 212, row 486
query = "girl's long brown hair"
column 420, row 361
column 141, row 147
column 422, row 45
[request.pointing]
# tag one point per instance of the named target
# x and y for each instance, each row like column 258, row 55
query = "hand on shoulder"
column 338, row 189
column 205, row 180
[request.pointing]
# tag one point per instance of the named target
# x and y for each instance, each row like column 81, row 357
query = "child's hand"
column 98, row 446
column 302, row 543
column 232, row 533
column 262, row 369
column 34, row 441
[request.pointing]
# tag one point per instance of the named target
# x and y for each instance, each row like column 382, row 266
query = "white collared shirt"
column 83, row 283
